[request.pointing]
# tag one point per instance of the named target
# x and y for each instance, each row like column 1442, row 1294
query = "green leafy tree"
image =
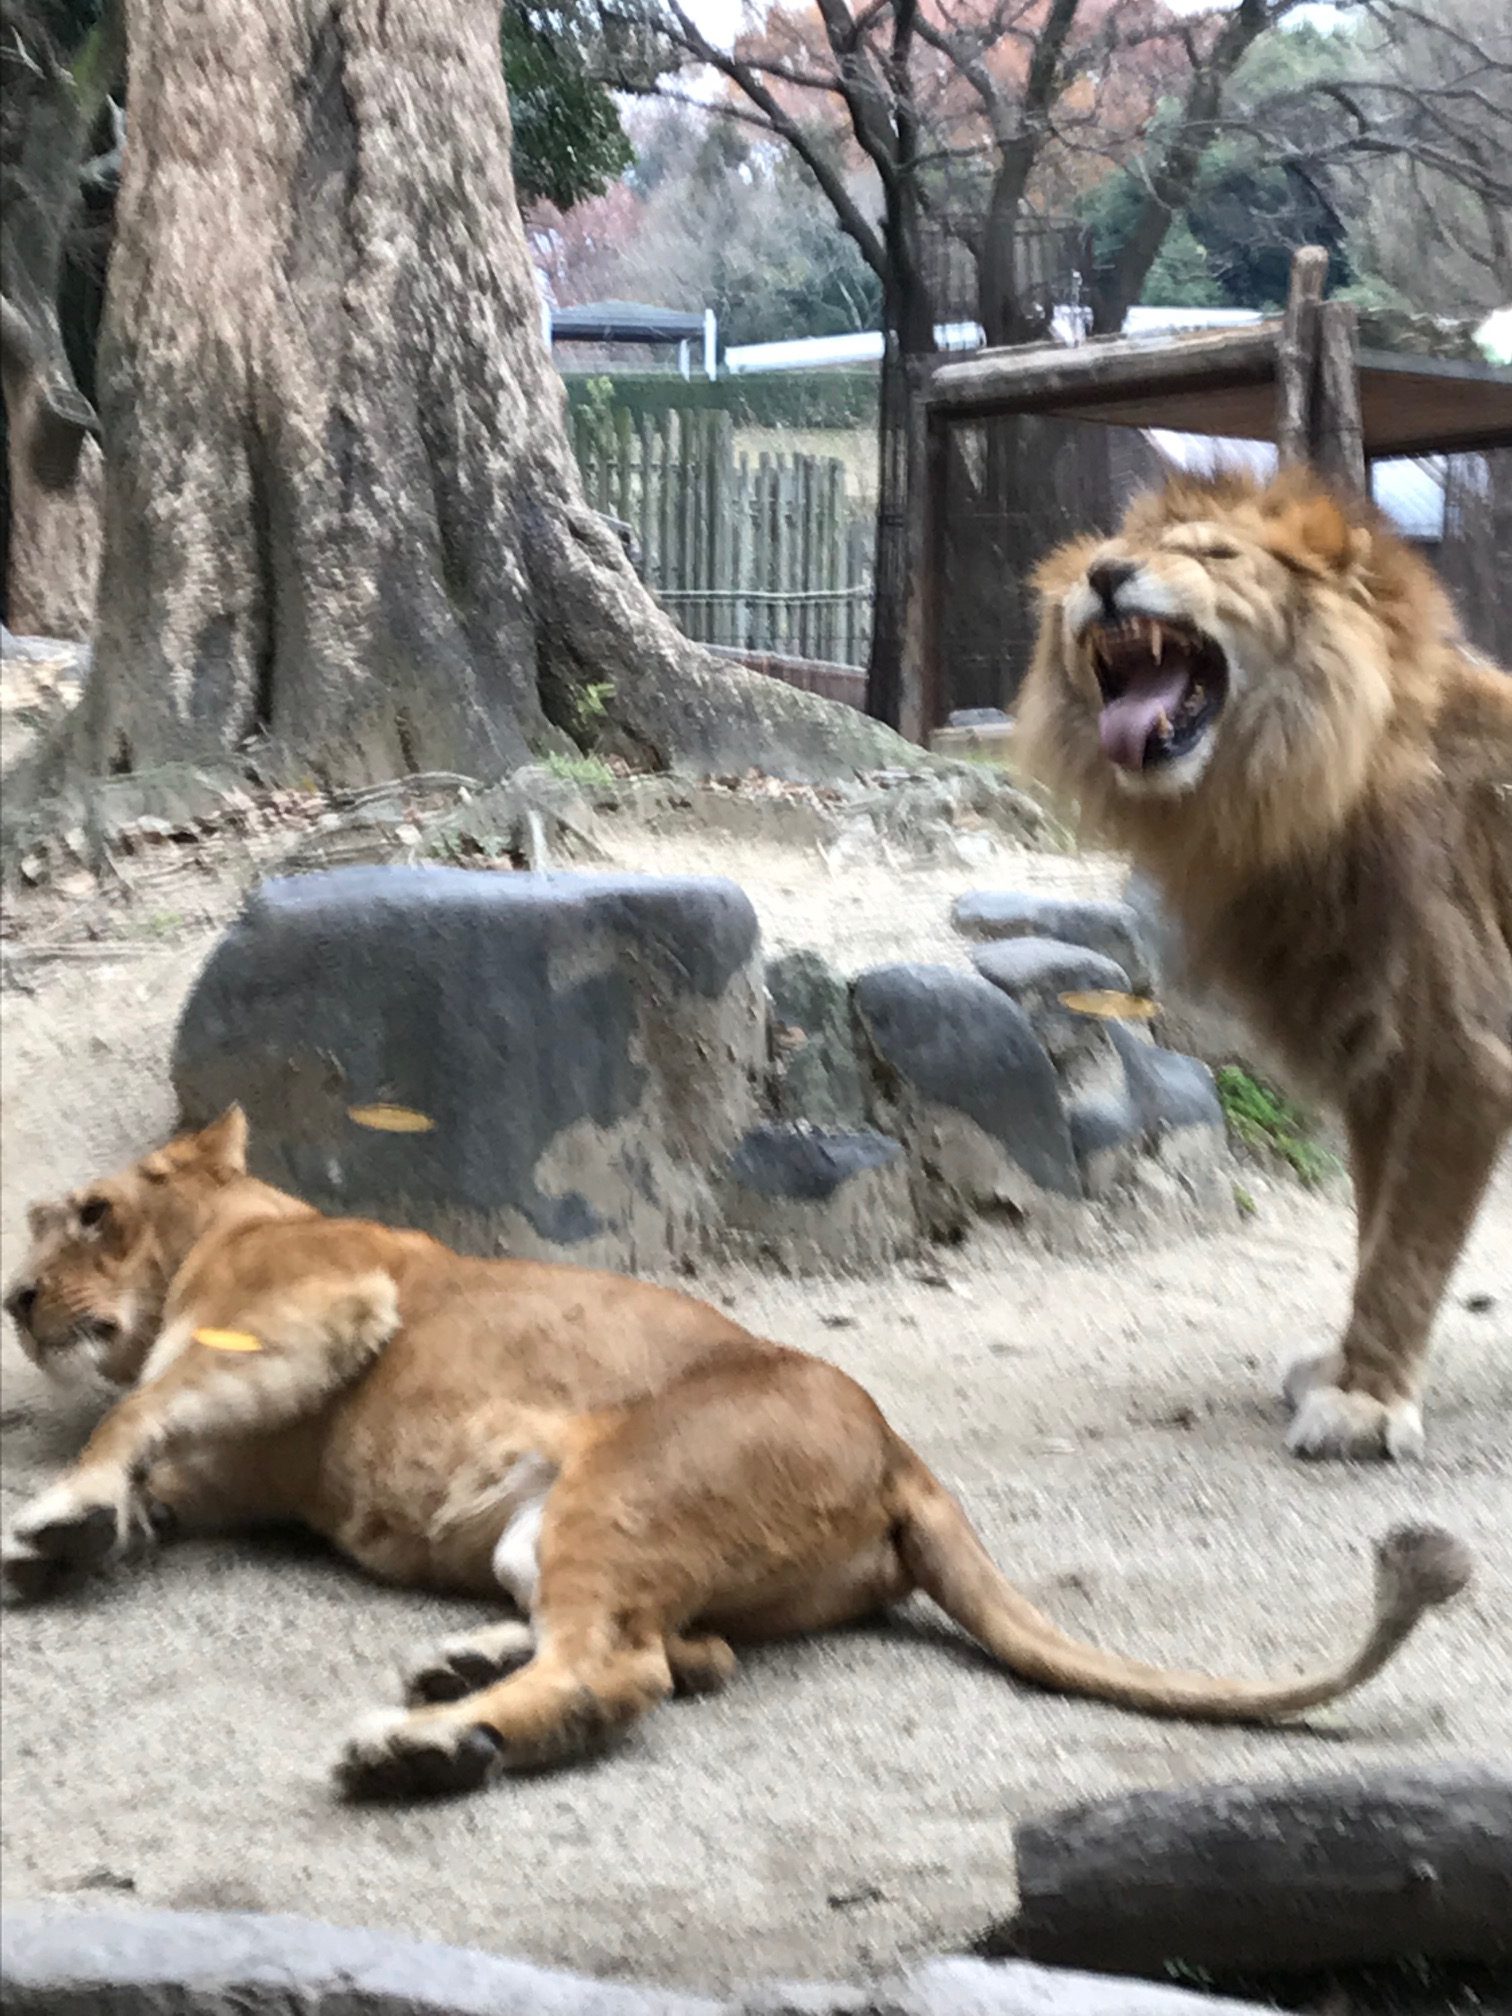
column 569, row 143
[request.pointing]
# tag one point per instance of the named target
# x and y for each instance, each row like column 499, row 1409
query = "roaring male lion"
column 1260, row 694
column 640, row 1475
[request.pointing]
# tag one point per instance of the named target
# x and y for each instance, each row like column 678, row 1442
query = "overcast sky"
column 721, row 20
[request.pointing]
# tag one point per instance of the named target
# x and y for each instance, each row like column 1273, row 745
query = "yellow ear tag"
column 391, row 1119
column 228, row 1340
column 1109, row 1005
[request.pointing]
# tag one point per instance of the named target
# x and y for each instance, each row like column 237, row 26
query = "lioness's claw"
column 460, row 1666
column 398, row 1756
column 1332, row 1422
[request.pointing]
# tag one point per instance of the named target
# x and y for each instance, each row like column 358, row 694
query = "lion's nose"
column 1105, row 580
column 21, row 1301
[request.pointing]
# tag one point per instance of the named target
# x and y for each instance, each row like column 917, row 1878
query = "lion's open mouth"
column 1163, row 685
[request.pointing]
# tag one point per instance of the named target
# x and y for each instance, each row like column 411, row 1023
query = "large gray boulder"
column 961, row 1078
column 584, row 1050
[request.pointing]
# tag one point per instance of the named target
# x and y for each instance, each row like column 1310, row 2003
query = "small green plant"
column 1260, row 1118
column 1244, row 1201
column 587, row 772
column 593, row 700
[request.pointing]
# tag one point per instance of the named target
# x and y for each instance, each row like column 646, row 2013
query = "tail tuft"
column 1418, row 1567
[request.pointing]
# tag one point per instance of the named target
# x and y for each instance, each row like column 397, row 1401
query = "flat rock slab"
column 1113, row 929
column 582, row 1051
column 165, row 1963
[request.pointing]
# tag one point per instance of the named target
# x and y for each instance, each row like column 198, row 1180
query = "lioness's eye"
column 1217, row 552
column 94, row 1211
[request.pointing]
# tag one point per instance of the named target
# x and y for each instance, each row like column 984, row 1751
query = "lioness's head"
column 1237, row 648
column 87, row 1299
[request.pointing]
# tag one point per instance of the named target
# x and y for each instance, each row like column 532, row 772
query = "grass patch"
column 589, row 773
column 1260, row 1118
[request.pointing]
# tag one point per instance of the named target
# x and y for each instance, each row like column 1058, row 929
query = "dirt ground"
column 1105, row 1408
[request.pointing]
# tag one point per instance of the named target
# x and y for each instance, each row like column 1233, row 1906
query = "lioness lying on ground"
column 644, row 1478
column 1260, row 693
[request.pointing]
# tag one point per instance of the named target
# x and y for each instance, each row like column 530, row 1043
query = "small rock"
column 818, row 1074
column 847, row 1900
column 1481, row 1304
column 969, row 1085
column 1113, row 929
column 1035, row 972
column 817, row 1198
column 807, row 1163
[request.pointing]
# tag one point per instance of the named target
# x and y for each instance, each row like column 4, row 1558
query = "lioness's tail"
column 1416, row 1567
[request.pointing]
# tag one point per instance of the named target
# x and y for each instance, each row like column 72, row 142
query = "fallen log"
column 1331, row 1871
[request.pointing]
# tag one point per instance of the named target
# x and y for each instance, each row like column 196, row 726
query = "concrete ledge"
column 62, row 1962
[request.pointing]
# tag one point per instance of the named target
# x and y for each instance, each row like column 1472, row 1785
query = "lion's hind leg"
column 261, row 1366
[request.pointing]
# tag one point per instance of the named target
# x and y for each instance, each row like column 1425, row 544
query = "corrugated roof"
column 625, row 322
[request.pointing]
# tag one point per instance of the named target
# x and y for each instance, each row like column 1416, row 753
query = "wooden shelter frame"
column 1298, row 379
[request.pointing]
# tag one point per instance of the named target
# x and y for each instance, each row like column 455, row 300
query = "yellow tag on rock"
column 1110, row 1005
column 228, row 1340
column 391, row 1119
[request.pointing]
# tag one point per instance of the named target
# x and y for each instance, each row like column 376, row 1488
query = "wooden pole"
column 920, row 697
column 1297, row 356
column 1339, row 432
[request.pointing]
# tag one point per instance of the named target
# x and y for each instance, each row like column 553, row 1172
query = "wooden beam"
column 1111, row 368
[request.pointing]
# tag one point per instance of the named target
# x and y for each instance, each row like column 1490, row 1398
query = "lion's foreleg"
column 1422, row 1151
column 278, row 1361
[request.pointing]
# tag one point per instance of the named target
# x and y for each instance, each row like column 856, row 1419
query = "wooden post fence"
column 765, row 556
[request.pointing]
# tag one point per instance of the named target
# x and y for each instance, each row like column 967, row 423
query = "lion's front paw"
column 1332, row 1422
column 391, row 1755
column 1304, row 1374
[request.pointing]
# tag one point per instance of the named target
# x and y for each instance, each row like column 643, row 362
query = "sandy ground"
column 1107, row 1414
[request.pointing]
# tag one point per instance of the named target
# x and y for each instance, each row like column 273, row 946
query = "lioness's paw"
column 473, row 1659
column 391, row 1755
column 73, row 1525
column 1332, row 1422
column 26, row 1574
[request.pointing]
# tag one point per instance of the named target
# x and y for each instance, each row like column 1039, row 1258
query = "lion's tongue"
column 1127, row 723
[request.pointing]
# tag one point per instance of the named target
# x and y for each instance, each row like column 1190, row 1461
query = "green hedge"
column 835, row 398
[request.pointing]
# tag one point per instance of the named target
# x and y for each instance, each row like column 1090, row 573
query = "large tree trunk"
column 343, row 525
column 52, row 466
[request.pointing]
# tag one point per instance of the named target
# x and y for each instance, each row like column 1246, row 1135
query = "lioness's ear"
column 222, row 1146
column 1062, row 569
